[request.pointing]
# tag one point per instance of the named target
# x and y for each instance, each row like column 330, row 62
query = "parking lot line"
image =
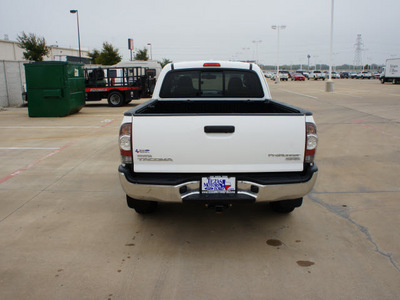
column 27, row 167
column 28, row 148
column 345, row 94
column 34, row 163
column 47, row 127
column 300, row 94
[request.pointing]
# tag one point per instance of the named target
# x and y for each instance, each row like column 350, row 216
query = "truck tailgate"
column 218, row 144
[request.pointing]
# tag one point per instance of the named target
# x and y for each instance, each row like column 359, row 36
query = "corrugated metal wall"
column 12, row 80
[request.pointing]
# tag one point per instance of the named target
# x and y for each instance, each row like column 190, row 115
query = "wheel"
column 286, row 206
column 141, row 206
column 116, row 99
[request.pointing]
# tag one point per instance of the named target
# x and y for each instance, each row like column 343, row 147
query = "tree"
column 108, row 55
column 35, row 46
column 94, row 55
column 142, row 55
column 164, row 62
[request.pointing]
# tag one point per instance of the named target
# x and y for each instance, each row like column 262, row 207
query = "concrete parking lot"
column 66, row 232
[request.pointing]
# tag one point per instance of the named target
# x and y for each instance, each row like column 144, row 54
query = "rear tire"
column 141, row 206
column 116, row 99
column 286, row 206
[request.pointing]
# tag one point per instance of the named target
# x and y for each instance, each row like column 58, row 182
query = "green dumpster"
column 54, row 89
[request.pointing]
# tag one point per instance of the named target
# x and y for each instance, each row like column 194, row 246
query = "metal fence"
column 12, row 80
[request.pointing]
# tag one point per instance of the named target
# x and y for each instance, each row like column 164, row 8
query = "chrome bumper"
column 191, row 189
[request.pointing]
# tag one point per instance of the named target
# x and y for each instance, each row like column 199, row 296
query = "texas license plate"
column 218, row 185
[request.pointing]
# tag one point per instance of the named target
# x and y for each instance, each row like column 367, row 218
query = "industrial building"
column 9, row 50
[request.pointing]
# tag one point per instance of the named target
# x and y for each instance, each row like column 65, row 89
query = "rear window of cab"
column 211, row 83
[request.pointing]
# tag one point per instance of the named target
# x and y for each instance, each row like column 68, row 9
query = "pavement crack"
column 19, row 207
column 343, row 213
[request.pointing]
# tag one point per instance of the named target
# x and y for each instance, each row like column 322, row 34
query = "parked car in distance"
column 366, row 75
column 344, row 75
column 305, row 73
column 316, row 74
column 268, row 74
column 353, row 75
column 335, row 75
column 283, row 75
column 283, row 72
column 298, row 76
column 376, row 75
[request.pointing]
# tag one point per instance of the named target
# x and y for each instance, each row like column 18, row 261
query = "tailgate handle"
column 219, row 129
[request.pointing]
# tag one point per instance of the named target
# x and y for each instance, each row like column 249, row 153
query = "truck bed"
column 217, row 136
column 211, row 107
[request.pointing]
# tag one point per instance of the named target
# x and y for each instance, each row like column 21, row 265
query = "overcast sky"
column 215, row 29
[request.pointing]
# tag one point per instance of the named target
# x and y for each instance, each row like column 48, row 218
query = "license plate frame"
column 218, row 185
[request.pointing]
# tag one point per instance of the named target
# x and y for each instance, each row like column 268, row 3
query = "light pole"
column 151, row 50
column 245, row 49
column 329, row 83
column 316, row 65
column 257, row 43
column 278, row 28
column 73, row 11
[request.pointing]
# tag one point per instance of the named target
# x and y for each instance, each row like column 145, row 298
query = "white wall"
column 12, row 80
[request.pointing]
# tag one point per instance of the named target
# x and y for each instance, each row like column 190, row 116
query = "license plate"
column 218, row 185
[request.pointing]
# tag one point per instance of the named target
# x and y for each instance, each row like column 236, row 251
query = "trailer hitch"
column 219, row 208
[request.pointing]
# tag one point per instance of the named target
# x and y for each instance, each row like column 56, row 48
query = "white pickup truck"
column 211, row 133
column 316, row 75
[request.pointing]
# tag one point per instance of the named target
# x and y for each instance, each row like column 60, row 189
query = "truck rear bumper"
column 265, row 187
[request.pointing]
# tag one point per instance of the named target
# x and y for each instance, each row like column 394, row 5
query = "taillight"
column 311, row 142
column 211, row 65
column 125, row 143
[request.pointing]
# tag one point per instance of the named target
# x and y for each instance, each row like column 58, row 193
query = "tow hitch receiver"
column 219, row 208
